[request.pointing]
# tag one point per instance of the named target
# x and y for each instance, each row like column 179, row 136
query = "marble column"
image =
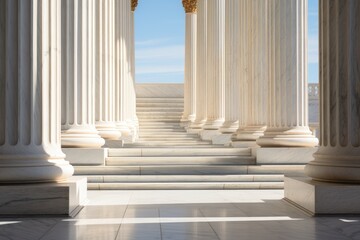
column 287, row 98
column 105, row 78
column 121, row 66
column 78, row 79
column 253, row 67
column 201, row 69
column 190, row 62
column 30, row 74
column 338, row 157
column 215, row 64
column 130, row 111
column 232, row 71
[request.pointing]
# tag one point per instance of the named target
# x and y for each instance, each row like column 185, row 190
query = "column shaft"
column 104, row 71
column 288, row 104
column 190, row 69
column 232, row 70
column 30, row 73
column 201, row 66
column 78, row 105
column 253, row 69
column 120, row 66
column 215, row 64
column 338, row 157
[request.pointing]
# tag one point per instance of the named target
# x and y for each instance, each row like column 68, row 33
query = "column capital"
column 190, row 6
column 134, row 4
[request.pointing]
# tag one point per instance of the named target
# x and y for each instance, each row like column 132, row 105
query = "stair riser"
column 178, row 152
column 185, row 178
column 182, row 186
column 160, row 161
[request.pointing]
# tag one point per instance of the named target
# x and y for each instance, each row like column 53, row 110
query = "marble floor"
column 184, row 215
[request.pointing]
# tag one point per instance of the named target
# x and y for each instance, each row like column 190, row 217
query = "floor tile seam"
column 127, row 206
column 49, row 230
column 160, row 224
column 216, row 234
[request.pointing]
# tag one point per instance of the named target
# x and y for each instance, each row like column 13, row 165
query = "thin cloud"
column 152, row 42
column 313, row 48
column 164, row 53
column 149, row 69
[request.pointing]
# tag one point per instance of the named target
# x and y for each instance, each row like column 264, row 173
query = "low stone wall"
column 159, row 90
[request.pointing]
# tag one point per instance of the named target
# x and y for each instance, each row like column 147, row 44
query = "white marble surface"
column 220, row 215
column 284, row 155
column 86, row 156
column 222, row 139
column 61, row 198
column 323, row 197
column 207, row 135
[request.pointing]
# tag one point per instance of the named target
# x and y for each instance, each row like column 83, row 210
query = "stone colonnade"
column 258, row 91
column 66, row 78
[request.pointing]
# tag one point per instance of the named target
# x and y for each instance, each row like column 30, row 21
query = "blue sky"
column 160, row 39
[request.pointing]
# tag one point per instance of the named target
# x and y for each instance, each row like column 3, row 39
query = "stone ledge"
column 86, row 156
column 322, row 198
column 300, row 155
column 207, row 135
column 222, row 139
column 64, row 198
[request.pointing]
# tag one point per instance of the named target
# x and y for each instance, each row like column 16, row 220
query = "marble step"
column 171, row 145
column 119, row 152
column 146, row 113
column 168, row 138
column 160, row 100
column 184, row 178
column 162, row 104
column 180, row 160
column 188, row 170
column 158, row 120
column 160, row 109
column 155, row 134
column 186, row 186
column 151, row 130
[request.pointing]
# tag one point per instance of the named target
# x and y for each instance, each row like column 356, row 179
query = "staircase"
column 167, row 157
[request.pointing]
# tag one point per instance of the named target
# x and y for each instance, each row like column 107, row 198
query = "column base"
column 108, row 130
column 81, row 138
column 222, row 139
column 86, row 156
column 243, row 144
column 213, row 124
column 288, row 137
column 230, row 127
column 284, row 155
column 318, row 198
column 64, row 198
column 123, row 128
column 249, row 133
column 194, row 130
column 36, row 167
column 207, row 135
column 335, row 164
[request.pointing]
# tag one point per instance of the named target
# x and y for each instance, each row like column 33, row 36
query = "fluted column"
column 287, row 100
column 232, row 63
column 104, row 82
column 215, row 64
column 78, row 62
column 30, row 73
column 120, row 66
column 338, row 157
column 253, row 72
column 201, row 70
column 190, row 62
